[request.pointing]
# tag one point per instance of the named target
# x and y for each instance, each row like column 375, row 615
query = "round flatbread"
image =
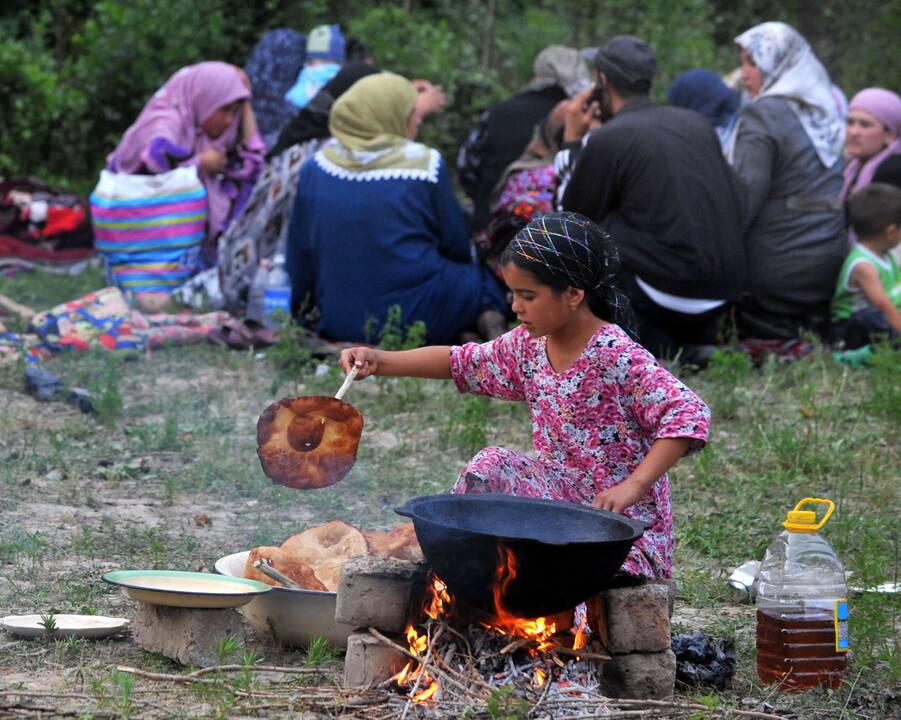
column 399, row 542
column 326, row 548
column 308, row 442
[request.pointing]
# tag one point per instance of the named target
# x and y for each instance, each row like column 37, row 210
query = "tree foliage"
column 75, row 73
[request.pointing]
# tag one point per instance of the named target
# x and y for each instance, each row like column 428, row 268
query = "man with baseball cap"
column 655, row 178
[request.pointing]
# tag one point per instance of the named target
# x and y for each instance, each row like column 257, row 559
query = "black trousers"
column 665, row 332
column 863, row 328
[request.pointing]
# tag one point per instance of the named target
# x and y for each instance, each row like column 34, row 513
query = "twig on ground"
column 515, row 645
column 163, row 677
column 260, row 668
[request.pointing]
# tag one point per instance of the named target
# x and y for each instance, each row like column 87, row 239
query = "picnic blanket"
column 103, row 319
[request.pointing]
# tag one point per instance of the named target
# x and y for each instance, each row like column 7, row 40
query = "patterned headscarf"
column 791, row 71
column 575, row 251
column 272, row 66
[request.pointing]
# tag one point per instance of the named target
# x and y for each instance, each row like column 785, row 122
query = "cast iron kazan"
column 565, row 553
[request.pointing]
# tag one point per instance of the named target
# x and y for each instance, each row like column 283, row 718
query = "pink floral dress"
column 591, row 425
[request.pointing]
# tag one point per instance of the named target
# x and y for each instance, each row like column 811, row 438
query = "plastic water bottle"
column 802, row 607
column 277, row 295
column 256, row 294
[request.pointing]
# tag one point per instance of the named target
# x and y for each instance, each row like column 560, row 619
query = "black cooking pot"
column 564, row 553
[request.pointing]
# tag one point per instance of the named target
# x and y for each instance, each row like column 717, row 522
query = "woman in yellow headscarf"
column 376, row 225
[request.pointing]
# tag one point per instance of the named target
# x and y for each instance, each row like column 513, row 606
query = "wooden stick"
column 445, row 673
column 515, row 645
column 164, row 677
column 260, row 668
column 348, row 379
column 584, row 654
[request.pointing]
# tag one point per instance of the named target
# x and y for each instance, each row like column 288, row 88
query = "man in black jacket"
column 655, row 178
column 505, row 129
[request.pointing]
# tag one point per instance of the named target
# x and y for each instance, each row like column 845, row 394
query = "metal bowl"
column 293, row 617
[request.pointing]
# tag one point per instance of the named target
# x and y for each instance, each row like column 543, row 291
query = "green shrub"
column 37, row 103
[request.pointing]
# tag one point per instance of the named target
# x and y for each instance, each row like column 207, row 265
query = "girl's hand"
column 618, row 498
column 212, row 161
column 365, row 358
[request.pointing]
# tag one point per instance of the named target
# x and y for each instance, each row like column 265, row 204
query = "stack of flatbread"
column 314, row 557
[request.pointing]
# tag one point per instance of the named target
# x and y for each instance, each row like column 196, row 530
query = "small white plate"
column 87, row 626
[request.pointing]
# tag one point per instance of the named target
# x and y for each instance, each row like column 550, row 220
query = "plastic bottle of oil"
column 802, row 608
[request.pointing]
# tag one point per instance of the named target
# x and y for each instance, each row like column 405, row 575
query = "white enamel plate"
column 87, row 626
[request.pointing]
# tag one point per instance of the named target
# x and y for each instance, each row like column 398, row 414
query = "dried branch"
column 261, row 668
column 583, row 654
column 445, row 674
column 163, row 677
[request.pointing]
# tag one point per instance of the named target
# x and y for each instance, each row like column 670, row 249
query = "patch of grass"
column 290, row 356
column 320, row 652
column 41, row 290
column 467, row 424
column 104, row 387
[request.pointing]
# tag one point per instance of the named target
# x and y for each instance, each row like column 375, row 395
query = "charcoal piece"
column 704, row 661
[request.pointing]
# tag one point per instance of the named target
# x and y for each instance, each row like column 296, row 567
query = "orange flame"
column 401, row 677
column 424, row 695
column 579, row 641
column 438, row 601
column 539, row 677
column 410, row 675
column 538, row 629
column 418, row 643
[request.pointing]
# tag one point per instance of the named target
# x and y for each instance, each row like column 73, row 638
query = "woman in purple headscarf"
column 201, row 117
column 873, row 134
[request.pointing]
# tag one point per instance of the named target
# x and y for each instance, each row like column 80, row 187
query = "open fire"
column 534, row 636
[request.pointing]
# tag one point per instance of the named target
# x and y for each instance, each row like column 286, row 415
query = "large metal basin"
column 294, row 616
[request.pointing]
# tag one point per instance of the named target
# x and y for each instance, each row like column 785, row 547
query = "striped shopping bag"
column 149, row 228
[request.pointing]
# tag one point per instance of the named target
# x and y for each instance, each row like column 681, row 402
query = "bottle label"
column 278, row 298
column 841, row 626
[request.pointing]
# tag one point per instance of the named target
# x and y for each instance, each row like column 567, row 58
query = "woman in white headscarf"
column 787, row 149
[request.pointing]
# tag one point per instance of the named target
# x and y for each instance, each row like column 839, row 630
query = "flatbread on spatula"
column 308, row 442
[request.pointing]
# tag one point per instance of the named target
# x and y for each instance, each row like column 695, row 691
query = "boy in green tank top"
column 867, row 301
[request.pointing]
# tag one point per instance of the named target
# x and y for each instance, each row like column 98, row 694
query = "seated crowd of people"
column 763, row 203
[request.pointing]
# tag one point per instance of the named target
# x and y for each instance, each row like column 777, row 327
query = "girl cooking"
column 608, row 421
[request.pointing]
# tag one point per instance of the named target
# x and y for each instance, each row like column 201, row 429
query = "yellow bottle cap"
column 806, row 520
